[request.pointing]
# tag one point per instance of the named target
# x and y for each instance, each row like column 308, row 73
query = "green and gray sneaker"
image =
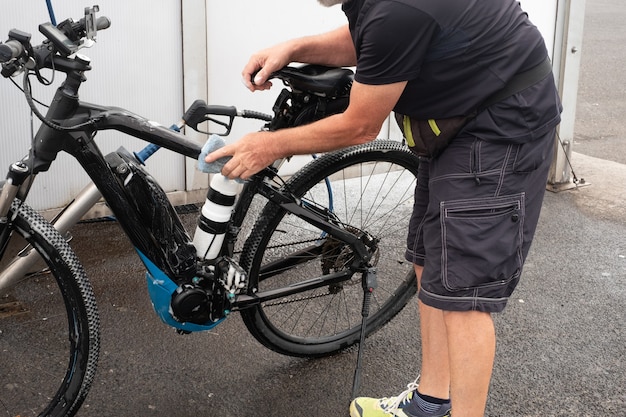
column 400, row 406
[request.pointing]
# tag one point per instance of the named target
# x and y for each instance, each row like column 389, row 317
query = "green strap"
column 408, row 133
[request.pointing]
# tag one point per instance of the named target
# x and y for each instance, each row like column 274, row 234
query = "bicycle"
column 303, row 280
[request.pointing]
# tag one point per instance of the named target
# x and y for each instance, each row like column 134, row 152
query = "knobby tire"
column 372, row 188
column 49, row 326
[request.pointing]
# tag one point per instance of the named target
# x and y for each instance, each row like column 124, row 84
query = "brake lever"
column 91, row 26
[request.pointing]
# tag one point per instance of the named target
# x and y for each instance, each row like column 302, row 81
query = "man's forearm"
column 334, row 48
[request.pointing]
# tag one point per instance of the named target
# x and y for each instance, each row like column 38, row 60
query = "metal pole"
column 72, row 214
column 566, row 63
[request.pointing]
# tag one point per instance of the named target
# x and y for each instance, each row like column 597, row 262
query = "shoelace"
column 403, row 397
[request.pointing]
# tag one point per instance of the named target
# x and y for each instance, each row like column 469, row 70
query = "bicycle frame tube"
column 246, row 301
column 70, row 216
column 105, row 172
column 84, row 120
column 90, row 118
column 311, row 216
column 114, row 118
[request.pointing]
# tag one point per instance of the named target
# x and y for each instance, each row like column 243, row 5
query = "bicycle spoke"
column 371, row 196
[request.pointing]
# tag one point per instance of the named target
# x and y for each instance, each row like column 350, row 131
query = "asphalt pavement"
column 561, row 342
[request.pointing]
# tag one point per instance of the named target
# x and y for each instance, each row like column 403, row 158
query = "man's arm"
column 369, row 107
column 334, row 48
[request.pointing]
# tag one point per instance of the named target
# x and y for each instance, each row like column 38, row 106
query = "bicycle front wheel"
column 368, row 190
column 49, row 328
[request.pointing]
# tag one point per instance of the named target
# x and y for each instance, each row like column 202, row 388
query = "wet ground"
column 560, row 353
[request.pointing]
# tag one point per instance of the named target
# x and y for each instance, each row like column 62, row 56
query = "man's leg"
column 471, row 345
column 458, row 350
column 435, row 372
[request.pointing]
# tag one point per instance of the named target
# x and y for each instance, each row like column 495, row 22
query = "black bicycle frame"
column 169, row 246
column 153, row 226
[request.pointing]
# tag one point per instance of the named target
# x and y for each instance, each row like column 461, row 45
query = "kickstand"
column 369, row 283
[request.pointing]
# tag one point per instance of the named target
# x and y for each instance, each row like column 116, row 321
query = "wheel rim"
column 371, row 197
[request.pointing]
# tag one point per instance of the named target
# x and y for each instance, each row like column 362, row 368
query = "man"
column 477, row 202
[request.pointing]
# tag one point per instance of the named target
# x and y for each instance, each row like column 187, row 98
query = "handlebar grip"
column 10, row 50
column 103, row 22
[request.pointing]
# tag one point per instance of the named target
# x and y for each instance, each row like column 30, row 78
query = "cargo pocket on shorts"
column 482, row 241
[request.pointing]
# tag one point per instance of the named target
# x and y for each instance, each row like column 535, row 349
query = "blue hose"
column 53, row 20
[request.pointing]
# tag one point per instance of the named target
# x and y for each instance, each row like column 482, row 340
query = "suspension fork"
column 17, row 179
column 15, row 186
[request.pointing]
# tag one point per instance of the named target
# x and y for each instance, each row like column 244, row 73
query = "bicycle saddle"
column 317, row 79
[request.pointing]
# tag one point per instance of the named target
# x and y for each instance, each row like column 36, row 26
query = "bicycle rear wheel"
column 369, row 190
column 49, row 326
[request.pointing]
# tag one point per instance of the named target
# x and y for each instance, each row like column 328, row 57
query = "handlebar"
column 14, row 47
column 10, row 50
column 65, row 39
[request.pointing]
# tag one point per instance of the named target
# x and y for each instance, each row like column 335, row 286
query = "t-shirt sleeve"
column 392, row 42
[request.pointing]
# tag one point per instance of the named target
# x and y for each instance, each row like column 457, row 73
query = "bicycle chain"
column 292, row 243
column 296, row 299
column 239, row 252
column 338, row 262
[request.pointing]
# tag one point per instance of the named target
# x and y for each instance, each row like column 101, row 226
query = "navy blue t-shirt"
column 454, row 54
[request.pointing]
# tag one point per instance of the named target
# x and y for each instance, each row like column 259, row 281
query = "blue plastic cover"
column 161, row 288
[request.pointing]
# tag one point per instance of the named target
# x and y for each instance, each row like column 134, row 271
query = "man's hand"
column 369, row 106
column 250, row 154
column 262, row 64
column 334, row 49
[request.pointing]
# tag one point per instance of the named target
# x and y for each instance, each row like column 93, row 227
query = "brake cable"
column 50, row 124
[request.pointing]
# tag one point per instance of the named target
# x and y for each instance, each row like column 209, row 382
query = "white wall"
column 543, row 14
column 236, row 29
column 137, row 65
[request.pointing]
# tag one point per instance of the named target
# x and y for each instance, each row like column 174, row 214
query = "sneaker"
column 400, row 406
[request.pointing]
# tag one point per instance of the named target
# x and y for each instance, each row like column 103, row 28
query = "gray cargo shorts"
column 475, row 213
